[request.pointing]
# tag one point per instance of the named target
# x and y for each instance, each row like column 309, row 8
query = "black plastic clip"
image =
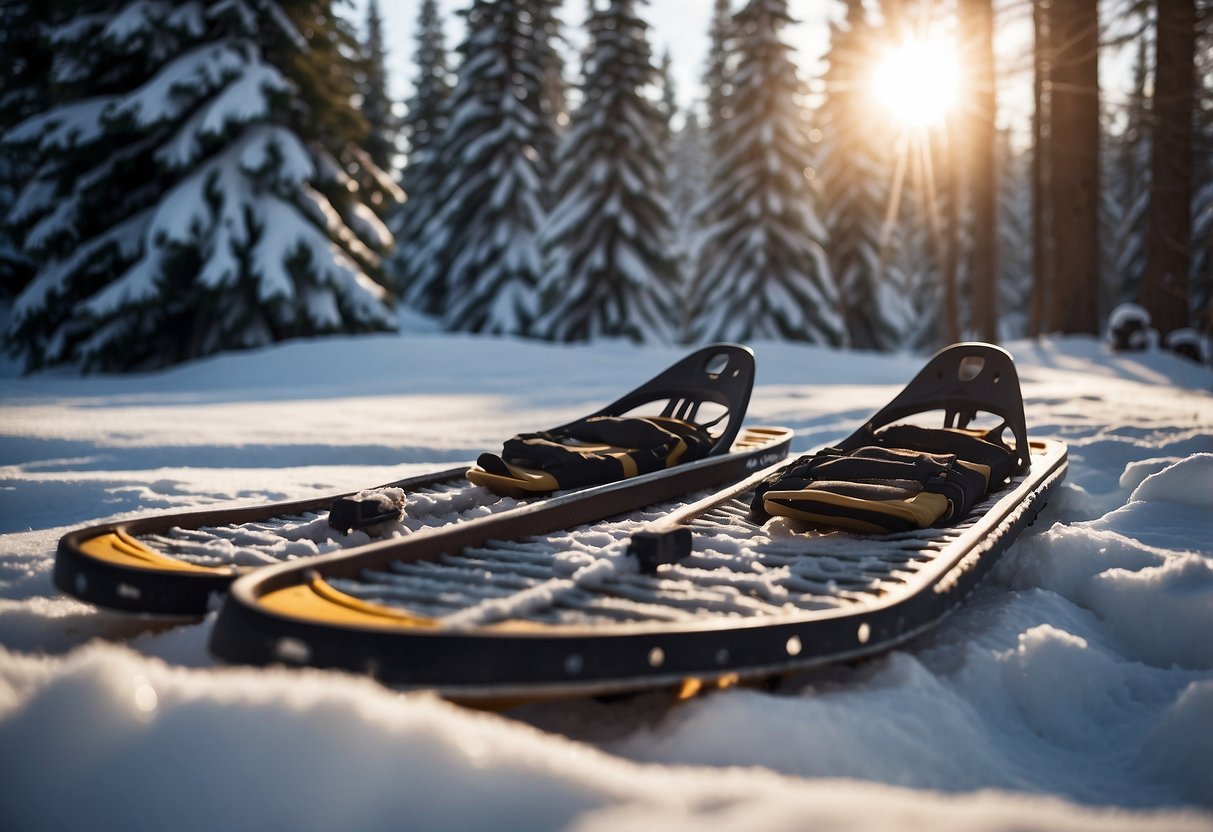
column 360, row 511
column 652, row 549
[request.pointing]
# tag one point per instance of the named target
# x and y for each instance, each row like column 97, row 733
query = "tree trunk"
column 1041, row 259
column 1169, row 229
column 1074, row 169
column 975, row 19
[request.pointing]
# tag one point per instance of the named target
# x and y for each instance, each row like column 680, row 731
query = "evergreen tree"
column 380, row 142
column 716, row 76
column 853, row 172
column 690, row 162
column 718, row 85
column 25, row 64
column 425, row 121
column 611, row 267
column 915, row 268
column 669, row 100
column 192, row 192
column 549, row 36
column 481, row 241
column 763, row 272
column 1014, row 243
column 1126, row 196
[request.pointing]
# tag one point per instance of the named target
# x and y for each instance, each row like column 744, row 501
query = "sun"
column 918, row 81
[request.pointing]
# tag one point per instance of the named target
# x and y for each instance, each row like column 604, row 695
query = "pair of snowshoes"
column 840, row 554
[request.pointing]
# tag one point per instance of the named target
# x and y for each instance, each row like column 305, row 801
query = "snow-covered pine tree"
column 192, row 192
column 668, row 107
column 25, row 62
column 763, row 272
column 1202, row 254
column 914, row 264
column 1126, row 196
column 418, row 281
column 717, row 74
column 611, row 267
column 481, row 242
column 688, row 179
column 380, row 142
column 549, row 40
column 853, row 176
column 689, row 165
column 696, row 156
column 1015, row 239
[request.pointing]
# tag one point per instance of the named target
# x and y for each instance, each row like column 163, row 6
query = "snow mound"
column 1188, row 482
column 1146, row 569
column 337, row 752
column 1054, row 676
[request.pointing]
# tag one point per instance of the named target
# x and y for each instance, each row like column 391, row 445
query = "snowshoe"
column 525, row 606
column 170, row 564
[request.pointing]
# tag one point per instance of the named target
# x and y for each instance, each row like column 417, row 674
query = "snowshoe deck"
column 170, row 564
column 522, row 607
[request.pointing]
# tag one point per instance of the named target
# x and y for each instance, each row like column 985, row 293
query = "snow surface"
column 1074, row 691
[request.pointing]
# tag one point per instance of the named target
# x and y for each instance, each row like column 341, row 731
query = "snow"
column 63, row 127
column 1073, row 691
column 181, row 82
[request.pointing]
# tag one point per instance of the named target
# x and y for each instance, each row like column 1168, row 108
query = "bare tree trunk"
column 1169, row 231
column 975, row 19
column 1041, row 258
column 1074, row 169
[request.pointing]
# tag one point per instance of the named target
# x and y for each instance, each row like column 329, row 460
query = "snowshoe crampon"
column 170, row 564
column 522, row 606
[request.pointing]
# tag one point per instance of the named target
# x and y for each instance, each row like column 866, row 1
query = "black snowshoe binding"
column 609, row 446
column 892, row 479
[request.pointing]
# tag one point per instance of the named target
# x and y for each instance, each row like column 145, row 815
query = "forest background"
column 178, row 179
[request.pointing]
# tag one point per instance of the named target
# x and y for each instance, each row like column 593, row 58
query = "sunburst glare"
column 918, row 82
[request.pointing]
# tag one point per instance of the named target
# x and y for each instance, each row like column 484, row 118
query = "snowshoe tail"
column 160, row 564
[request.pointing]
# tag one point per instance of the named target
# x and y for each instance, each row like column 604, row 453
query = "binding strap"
column 600, row 449
column 910, row 477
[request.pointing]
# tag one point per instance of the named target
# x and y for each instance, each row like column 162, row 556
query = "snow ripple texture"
column 305, row 535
